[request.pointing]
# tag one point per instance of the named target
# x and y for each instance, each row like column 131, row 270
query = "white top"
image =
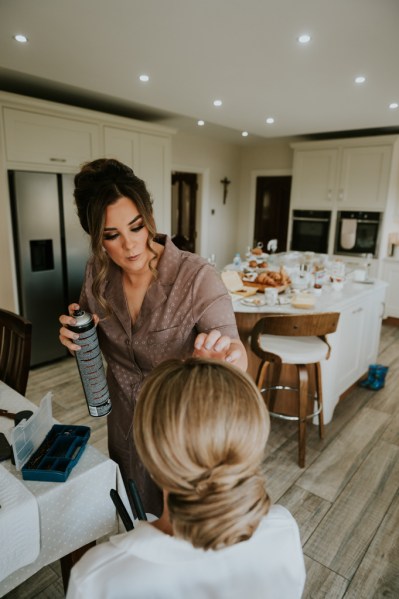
column 146, row 563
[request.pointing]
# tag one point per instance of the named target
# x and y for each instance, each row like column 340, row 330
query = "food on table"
column 272, row 278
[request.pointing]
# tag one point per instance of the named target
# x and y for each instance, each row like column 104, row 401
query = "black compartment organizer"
column 46, row 451
column 58, row 454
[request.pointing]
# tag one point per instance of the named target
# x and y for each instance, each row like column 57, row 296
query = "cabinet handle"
column 57, row 159
column 357, row 310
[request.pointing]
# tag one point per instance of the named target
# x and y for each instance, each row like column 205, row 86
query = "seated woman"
column 201, row 428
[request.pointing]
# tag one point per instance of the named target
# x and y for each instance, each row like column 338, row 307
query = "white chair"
column 299, row 340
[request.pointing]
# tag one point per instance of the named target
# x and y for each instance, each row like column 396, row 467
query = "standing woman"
column 151, row 301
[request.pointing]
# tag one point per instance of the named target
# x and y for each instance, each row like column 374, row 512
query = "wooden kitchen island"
column 354, row 346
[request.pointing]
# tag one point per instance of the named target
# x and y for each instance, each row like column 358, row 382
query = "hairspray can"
column 90, row 364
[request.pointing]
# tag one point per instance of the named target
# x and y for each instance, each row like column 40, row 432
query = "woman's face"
column 125, row 236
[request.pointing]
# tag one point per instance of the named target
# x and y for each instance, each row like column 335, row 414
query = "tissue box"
column 45, row 451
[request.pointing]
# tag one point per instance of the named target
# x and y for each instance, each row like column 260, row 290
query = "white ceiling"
column 245, row 52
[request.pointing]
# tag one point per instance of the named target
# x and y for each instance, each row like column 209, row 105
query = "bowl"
column 303, row 301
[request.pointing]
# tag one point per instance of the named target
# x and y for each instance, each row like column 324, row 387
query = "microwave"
column 357, row 233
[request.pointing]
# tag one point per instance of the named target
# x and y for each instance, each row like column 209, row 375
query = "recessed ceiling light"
column 270, row 120
column 360, row 79
column 201, row 123
column 22, row 39
column 304, row 38
column 244, row 133
column 394, row 105
column 217, row 102
column 144, row 78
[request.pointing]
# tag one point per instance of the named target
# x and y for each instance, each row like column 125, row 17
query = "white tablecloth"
column 19, row 525
column 72, row 513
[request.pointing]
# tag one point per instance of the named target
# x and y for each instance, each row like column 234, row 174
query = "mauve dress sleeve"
column 211, row 304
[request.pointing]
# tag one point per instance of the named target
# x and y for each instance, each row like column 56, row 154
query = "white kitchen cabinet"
column 374, row 308
column 33, row 139
column 356, row 342
column 41, row 136
column 122, row 144
column 390, row 274
column 149, row 155
column 341, row 175
column 351, row 324
column 364, row 177
column 155, row 169
column 314, row 178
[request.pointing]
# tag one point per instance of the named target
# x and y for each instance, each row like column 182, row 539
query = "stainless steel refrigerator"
column 51, row 251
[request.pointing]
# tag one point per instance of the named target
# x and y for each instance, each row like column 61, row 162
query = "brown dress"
column 188, row 297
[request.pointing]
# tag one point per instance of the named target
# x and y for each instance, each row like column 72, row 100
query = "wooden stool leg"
column 319, row 392
column 303, row 402
column 260, row 379
column 276, row 375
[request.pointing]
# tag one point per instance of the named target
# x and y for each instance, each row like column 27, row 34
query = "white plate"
column 255, row 302
column 365, row 282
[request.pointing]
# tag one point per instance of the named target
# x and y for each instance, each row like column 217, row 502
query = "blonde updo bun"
column 201, row 428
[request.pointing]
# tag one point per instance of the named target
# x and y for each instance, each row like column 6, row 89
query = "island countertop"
column 354, row 345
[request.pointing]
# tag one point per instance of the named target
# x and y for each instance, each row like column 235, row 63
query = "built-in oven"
column 357, row 233
column 310, row 230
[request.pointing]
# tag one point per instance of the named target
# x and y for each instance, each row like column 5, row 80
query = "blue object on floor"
column 376, row 377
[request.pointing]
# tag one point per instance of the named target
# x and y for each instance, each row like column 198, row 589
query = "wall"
column 213, row 160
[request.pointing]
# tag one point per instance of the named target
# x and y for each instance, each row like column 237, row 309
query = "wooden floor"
column 346, row 500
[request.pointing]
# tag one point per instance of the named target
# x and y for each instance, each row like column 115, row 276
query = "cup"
column 271, row 296
column 359, row 275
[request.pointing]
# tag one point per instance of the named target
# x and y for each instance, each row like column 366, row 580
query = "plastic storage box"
column 46, row 451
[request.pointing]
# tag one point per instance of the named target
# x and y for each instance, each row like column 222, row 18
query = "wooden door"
column 272, row 210
column 184, row 199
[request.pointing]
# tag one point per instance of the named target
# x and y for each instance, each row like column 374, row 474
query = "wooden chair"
column 299, row 340
column 15, row 350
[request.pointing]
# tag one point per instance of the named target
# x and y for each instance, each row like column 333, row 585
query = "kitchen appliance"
column 357, row 233
column 310, row 230
column 51, row 251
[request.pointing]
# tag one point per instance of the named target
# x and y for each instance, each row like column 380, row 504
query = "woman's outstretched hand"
column 220, row 347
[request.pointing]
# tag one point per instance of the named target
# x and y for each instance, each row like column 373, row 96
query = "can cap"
column 82, row 317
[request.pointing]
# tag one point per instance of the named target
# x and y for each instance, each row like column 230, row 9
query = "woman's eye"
column 110, row 237
column 137, row 229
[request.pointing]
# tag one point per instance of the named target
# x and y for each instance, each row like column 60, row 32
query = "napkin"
column 348, row 233
column 19, row 524
column 234, row 284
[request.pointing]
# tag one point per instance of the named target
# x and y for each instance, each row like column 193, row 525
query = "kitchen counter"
column 355, row 344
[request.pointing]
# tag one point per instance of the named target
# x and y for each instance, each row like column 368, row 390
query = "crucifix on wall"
column 225, row 182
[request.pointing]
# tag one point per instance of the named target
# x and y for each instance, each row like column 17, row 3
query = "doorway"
column 272, row 210
column 184, row 205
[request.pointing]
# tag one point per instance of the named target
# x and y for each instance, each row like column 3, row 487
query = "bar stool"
column 300, row 340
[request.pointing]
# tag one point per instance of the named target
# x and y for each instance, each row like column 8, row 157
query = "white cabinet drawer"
column 39, row 139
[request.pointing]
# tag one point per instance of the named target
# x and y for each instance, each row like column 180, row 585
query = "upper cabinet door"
column 149, row 155
column 122, row 144
column 314, row 178
column 364, row 177
column 39, row 139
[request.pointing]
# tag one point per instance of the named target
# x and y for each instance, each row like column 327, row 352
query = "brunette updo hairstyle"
column 97, row 185
column 201, row 427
